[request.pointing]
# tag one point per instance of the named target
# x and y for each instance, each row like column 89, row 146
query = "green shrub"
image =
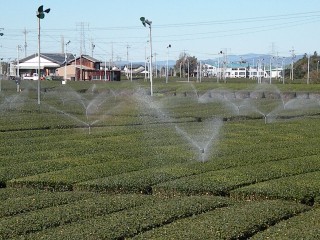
column 12, row 193
column 137, row 181
column 221, row 182
column 304, row 226
column 25, row 203
column 302, row 188
column 127, row 223
column 234, row 222
column 64, row 179
column 55, row 216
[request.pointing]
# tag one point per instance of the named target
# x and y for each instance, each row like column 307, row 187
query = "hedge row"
column 221, row 182
column 235, row 222
column 14, row 206
column 48, row 144
column 127, row 223
column 32, row 168
column 302, row 188
column 55, row 216
column 138, row 181
column 304, row 226
column 7, row 193
column 64, row 179
column 262, row 151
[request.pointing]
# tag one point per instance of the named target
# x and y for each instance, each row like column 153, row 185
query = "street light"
column 18, row 58
column 146, row 22
column 1, row 34
column 40, row 15
column 308, row 74
column 65, row 63
column 167, row 72
column 1, row 72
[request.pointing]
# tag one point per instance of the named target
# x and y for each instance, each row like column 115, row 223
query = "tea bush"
column 239, row 221
column 127, row 223
column 54, row 216
column 302, row 188
column 303, row 226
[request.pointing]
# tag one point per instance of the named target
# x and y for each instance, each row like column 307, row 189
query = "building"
column 49, row 62
column 66, row 66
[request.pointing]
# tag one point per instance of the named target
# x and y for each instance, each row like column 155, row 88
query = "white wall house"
column 209, row 70
column 240, row 72
column 257, row 73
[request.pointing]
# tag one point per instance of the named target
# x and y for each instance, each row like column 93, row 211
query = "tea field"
column 105, row 160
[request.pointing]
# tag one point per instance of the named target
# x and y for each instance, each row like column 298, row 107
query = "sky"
column 199, row 28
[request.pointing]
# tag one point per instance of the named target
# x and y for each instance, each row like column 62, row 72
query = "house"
column 134, row 68
column 66, row 66
column 87, row 68
column 49, row 62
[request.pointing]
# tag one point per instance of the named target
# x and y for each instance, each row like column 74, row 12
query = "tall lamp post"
column 1, row 72
column 1, row 34
column 65, row 64
column 146, row 22
column 167, row 72
column 40, row 15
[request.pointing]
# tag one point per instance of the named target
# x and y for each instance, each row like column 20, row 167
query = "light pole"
column 283, row 70
column 65, row 64
column 1, row 34
column 75, row 67
column 308, row 74
column 270, row 75
column 1, row 72
column 167, row 72
column 40, row 15
column 188, row 69
column 18, row 59
column 146, row 22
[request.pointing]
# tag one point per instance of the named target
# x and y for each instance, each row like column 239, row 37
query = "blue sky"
column 200, row 28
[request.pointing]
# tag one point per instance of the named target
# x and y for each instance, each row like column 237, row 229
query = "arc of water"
column 202, row 148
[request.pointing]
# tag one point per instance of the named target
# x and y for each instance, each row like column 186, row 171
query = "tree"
column 315, row 54
column 183, row 61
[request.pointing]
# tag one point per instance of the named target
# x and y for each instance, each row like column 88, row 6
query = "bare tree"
column 184, row 61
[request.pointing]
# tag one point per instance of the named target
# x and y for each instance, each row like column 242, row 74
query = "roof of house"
column 89, row 58
column 58, row 58
column 92, row 59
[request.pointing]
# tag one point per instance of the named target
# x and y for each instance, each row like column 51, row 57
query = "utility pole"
column 308, row 75
column 111, row 53
column 18, row 57
column 128, row 52
column 92, row 48
column 167, row 71
column 82, row 45
column 292, row 59
column 25, row 42
column 128, row 61
column 65, row 63
column 155, row 62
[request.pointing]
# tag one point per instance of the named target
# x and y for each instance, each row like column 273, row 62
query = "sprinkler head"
column 202, row 150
